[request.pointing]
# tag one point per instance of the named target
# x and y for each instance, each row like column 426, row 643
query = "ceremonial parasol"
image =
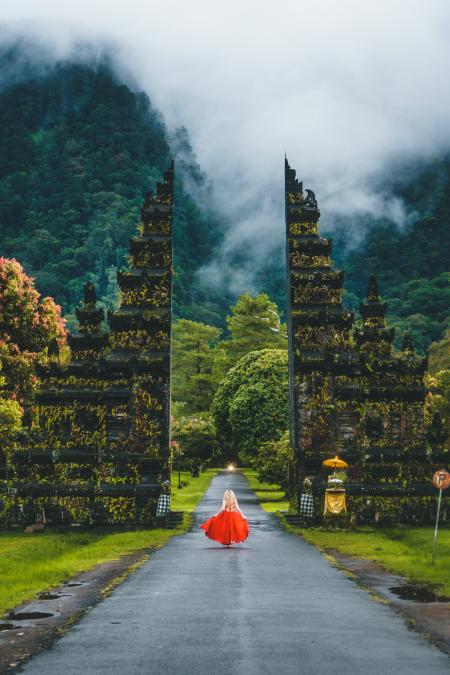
column 335, row 463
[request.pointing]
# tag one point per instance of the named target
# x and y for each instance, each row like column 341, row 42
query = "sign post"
column 441, row 480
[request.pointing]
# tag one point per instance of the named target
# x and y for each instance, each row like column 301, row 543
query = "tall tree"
column 193, row 381
column 253, row 324
column 438, row 380
column 439, row 357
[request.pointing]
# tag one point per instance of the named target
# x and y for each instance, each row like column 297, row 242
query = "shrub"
column 272, row 461
column 196, row 437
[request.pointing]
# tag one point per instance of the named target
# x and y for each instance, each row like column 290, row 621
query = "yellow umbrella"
column 335, row 463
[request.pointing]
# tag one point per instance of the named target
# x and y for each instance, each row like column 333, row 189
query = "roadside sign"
column 441, row 481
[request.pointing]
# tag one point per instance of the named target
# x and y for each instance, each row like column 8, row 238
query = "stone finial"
column 291, row 182
column 372, row 289
column 310, row 201
column 90, row 295
column 407, row 343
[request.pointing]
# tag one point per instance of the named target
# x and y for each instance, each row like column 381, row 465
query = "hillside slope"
column 78, row 150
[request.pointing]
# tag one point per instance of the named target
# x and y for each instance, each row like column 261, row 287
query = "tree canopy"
column 251, row 403
column 193, row 381
column 253, row 324
column 27, row 325
column 272, row 461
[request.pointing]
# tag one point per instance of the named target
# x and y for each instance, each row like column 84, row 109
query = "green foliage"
column 192, row 365
column 201, row 361
column 272, row 461
column 253, row 325
column 270, row 497
column 405, row 551
column 439, row 355
column 438, row 381
column 32, row 563
column 78, row 150
column 196, row 437
column 251, row 403
column 187, row 498
column 27, row 324
column 10, row 419
column 440, row 397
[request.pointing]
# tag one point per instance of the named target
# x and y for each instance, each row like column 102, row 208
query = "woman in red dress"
column 229, row 526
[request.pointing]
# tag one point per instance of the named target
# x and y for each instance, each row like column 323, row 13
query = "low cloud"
column 346, row 89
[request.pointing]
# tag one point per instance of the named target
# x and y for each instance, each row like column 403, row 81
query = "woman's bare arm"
column 238, row 509
column 222, row 509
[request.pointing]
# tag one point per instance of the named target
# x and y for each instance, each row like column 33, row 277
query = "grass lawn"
column 270, row 497
column 188, row 497
column 405, row 550
column 32, row 563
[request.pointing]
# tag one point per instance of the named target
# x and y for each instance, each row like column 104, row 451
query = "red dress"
column 228, row 527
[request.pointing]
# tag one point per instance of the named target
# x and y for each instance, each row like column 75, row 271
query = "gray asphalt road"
column 271, row 605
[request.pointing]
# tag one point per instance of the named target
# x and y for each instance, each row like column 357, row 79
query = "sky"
column 347, row 89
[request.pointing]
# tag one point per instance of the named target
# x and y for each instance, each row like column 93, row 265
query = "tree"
column 196, row 436
column 272, row 461
column 439, row 399
column 439, row 355
column 251, row 403
column 254, row 324
column 193, row 381
column 27, row 325
column 438, row 380
column 10, row 421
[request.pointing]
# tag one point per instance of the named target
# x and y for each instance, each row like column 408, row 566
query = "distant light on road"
column 230, row 467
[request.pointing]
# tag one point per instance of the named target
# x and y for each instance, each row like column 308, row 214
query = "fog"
column 347, row 89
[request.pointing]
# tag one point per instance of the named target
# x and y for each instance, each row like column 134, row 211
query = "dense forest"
column 77, row 152
column 79, row 148
column 411, row 263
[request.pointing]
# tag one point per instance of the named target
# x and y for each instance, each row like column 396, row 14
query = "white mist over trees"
column 347, row 89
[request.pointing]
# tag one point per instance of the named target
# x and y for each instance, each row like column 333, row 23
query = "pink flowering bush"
column 27, row 324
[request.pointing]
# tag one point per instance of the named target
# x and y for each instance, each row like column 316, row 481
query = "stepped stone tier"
column 319, row 335
column 99, row 434
column 351, row 393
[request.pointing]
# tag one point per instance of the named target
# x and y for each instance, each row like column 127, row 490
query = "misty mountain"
column 78, row 150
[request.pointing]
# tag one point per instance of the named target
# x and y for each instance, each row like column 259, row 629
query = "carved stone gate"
column 350, row 393
column 99, row 433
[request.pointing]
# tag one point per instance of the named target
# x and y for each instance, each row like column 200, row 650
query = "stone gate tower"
column 318, row 332
column 99, row 446
column 351, row 392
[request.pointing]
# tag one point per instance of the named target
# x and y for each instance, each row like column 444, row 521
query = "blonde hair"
column 229, row 498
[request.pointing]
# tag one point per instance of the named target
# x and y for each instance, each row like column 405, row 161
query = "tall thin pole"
column 293, row 440
column 433, row 557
